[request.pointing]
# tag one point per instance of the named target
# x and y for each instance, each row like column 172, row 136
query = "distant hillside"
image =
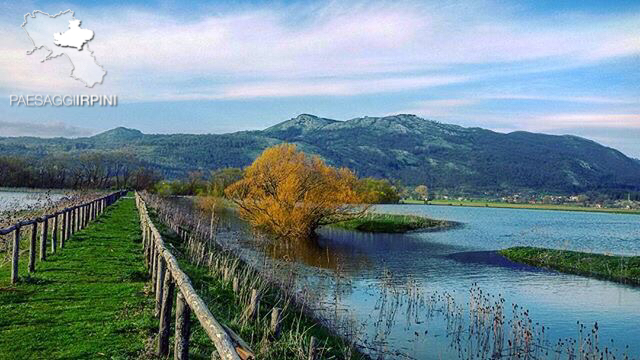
column 403, row 147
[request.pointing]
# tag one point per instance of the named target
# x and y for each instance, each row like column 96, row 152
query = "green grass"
column 227, row 308
column 524, row 206
column 625, row 269
column 390, row 223
column 86, row 301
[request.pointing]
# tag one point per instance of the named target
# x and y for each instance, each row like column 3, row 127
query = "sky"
column 558, row 67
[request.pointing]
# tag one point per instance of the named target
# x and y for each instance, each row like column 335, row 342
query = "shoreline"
column 616, row 268
column 380, row 223
column 499, row 205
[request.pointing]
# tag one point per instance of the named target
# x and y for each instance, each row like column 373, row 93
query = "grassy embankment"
column 524, row 206
column 228, row 308
column 624, row 269
column 85, row 301
column 390, row 223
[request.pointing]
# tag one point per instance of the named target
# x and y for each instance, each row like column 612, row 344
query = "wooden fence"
column 66, row 222
column 166, row 276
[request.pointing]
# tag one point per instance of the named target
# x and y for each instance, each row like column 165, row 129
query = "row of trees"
column 95, row 170
column 370, row 190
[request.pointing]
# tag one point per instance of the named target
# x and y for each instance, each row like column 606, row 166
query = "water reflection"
column 442, row 295
column 313, row 253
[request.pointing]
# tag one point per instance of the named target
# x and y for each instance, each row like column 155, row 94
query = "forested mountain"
column 402, row 147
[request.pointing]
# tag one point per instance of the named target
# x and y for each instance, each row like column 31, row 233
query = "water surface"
column 21, row 200
column 388, row 290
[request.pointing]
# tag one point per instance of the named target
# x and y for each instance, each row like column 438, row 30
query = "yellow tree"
column 290, row 194
column 423, row 192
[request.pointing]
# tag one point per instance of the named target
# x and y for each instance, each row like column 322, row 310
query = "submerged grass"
column 228, row 307
column 390, row 223
column 86, row 301
column 624, row 269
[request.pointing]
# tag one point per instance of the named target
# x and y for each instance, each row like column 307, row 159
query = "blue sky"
column 559, row 67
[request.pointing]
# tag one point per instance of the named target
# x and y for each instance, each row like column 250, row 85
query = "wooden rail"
column 166, row 277
column 66, row 222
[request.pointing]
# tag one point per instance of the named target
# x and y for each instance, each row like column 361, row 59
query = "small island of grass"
column 390, row 223
column 624, row 269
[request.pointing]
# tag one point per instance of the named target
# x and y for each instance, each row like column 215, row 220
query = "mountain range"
column 402, row 147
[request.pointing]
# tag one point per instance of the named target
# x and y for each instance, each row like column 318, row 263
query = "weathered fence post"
column 154, row 262
column 32, row 247
column 72, row 227
column 275, row 322
column 67, row 225
column 80, row 217
column 63, row 228
column 183, row 328
column 43, row 239
column 15, row 254
column 145, row 245
column 54, row 233
column 312, row 348
column 254, row 304
column 160, row 269
column 168, row 288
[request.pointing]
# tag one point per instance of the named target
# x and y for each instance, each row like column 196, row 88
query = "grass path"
column 84, row 302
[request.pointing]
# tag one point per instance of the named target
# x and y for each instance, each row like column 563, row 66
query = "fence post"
column 15, row 255
column 54, row 233
column 145, row 245
column 43, row 239
column 63, row 228
column 32, row 247
column 72, row 226
column 68, row 233
column 152, row 266
column 252, row 312
column 183, row 328
column 160, row 269
column 168, row 288
column 275, row 322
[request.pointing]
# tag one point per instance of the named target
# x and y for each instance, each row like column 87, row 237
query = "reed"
column 240, row 296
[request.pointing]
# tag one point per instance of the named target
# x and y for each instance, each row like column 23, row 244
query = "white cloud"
column 283, row 50
column 587, row 120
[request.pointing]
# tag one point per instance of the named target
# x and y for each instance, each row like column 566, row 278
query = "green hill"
column 403, row 147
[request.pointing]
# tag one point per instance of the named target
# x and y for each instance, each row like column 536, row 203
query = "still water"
column 19, row 200
column 422, row 295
